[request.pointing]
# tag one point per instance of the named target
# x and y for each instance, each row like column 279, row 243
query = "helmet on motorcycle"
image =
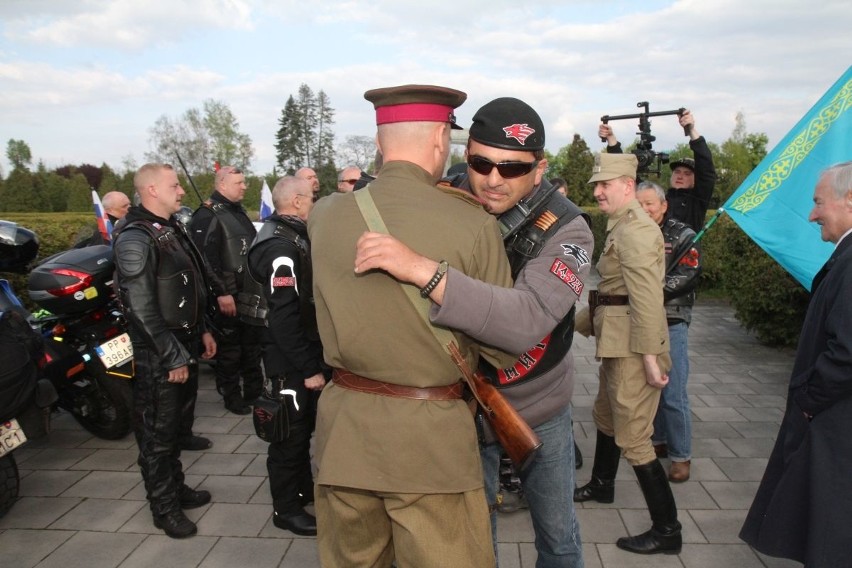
column 184, row 215
column 18, row 247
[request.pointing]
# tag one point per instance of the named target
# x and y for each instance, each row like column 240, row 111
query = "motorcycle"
column 25, row 396
column 89, row 351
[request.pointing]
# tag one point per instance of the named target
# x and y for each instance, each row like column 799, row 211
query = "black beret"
column 510, row 124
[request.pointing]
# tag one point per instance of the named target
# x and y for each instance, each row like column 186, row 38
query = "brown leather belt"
column 612, row 300
column 351, row 381
column 596, row 300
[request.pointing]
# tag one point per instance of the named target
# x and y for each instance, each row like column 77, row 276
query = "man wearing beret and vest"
column 550, row 258
column 399, row 474
column 627, row 318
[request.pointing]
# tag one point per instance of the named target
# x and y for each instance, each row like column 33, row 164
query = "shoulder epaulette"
column 468, row 198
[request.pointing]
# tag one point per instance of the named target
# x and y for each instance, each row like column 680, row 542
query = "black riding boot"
column 602, row 486
column 664, row 535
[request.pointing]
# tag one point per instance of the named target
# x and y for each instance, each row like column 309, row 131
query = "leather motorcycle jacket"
column 278, row 227
column 224, row 233
column 280, row 259
column 160, row 282
column 683, row 267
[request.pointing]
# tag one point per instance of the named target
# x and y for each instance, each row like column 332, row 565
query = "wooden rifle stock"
column 514, row 434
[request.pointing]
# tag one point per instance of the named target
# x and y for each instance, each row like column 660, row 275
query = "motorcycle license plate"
column 116, row 351
column 11, row 436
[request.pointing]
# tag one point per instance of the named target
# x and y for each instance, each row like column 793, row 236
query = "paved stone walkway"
column 82, row 503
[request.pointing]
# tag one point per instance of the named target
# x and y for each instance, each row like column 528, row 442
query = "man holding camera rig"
column 549, row 245
column 692, row 181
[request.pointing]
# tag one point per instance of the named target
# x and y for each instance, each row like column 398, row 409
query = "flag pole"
column 698, row 236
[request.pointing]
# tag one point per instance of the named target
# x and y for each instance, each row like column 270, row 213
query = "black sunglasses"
column 507, row 170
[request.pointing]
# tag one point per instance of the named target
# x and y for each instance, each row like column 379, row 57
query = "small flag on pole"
column 773, row 203
column 266, row 208
column 104, row 224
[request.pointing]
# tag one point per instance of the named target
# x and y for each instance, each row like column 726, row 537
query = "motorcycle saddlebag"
column 74, row 281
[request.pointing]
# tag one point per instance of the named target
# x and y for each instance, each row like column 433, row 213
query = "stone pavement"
column 83, row 505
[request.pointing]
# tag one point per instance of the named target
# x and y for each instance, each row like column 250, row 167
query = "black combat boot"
column 602, row 486
column 664, row 535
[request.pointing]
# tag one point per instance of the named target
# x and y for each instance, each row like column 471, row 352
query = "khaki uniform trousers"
column 625, row 407
column 369, row 529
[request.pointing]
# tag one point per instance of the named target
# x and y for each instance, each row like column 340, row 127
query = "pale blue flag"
column 773, row 203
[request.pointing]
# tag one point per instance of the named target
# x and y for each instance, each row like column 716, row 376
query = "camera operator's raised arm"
column 687, row 120
column 607, row 135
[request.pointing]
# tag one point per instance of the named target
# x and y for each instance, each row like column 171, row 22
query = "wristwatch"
column 433, row 283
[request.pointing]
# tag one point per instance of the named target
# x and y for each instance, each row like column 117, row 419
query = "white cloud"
column 121, row 24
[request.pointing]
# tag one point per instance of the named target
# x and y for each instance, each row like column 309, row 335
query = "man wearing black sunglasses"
column 549, row 244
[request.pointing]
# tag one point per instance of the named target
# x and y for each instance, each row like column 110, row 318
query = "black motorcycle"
column 25, row 397
column 90, row 354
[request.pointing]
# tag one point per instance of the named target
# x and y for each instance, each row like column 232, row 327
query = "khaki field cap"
column 416, row 103
column 612, row 166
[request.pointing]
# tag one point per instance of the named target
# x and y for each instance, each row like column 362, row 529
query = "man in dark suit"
column 804, row 502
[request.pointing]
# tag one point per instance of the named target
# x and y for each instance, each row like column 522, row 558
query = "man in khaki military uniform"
column 399, row 469
column 632, row 344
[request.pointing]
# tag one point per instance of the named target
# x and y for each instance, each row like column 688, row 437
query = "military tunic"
column 631, row 264
column 368, row 325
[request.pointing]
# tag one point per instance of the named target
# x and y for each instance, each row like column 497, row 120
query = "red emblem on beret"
column 519, row 132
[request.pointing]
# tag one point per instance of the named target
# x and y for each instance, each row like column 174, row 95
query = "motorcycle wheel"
column 10, row 482
column 109, row 406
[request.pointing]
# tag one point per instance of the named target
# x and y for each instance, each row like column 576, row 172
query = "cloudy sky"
column 84, row 80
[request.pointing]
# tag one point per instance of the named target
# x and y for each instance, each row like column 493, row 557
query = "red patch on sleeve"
column 564, row 273
column 283, row 281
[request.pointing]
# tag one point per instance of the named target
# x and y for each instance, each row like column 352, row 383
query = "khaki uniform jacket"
column 631, row 264
column 368, row 325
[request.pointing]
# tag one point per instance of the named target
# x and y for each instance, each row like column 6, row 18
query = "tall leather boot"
column 602, row 486
column 664, row 535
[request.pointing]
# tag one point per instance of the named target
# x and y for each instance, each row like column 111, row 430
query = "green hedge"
column 765, row 298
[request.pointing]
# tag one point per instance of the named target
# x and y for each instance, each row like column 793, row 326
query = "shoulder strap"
column 376, row 224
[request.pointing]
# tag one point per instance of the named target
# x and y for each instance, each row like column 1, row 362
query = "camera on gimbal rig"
column 650, row 162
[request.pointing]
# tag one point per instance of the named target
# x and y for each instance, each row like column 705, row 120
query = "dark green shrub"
column 766, row 299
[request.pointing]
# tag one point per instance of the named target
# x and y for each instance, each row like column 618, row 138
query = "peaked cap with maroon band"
column 510, row 124
column 416, row 103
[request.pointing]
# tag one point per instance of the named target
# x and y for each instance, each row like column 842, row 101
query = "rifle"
column 189, row 177
column 514, row 434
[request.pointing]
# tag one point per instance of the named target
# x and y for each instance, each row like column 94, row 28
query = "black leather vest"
column 277, row 229
column 235, row 240
column 522, row 247
column 251, row 307
column 181, row 289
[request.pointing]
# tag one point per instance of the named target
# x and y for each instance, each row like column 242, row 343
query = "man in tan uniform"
column 632, row 344
column 399, row 468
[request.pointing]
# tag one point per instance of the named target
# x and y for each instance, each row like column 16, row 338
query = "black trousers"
column 289, row 462
column 238, row 354
column 162, row 409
